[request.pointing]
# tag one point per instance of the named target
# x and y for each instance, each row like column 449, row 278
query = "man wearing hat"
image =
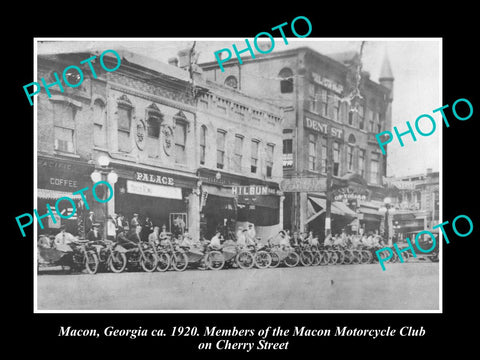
column 136, row 235
column 94, row 234
column 123, row 241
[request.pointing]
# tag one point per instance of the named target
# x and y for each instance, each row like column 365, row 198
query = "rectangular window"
column 220, row 149
column 323, row 98
column 336, row 158
column 254, row 156
column 311, row 152
column 124, row 122
column 237, row 160
column 379, row 128
column 269, row 159
column 374, row 168
column 99, row 125
column 64, row 139
column 64, row 127
column 372, row 126
column 350, row 118
column 361, row 162
column 350, row 158
column 180, row 141
column 361, row 116
column 203, row 144
column 324, row 159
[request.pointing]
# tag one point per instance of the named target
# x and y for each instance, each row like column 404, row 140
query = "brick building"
column 143, row 118
column 313, row 90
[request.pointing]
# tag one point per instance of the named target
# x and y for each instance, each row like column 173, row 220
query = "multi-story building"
column 416, row 202
column 170, row 161
column 315, row 91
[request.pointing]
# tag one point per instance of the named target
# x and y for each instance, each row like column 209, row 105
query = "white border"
column 440, row 102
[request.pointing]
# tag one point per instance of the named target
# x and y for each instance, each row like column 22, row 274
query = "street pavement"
column 408, row 286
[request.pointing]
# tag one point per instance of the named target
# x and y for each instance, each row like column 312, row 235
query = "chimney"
column 184, row 58
column 173, row 61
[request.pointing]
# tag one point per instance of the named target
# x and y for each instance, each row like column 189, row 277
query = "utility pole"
column 328, row 210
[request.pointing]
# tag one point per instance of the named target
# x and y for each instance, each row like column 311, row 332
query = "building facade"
column 172, row 156
column 417, row 202
column 321, row 114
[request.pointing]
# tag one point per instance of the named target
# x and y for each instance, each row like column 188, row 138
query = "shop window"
column 237, row 160
column 180, row 141
column 269, row 160
column 361, row 162
column 336, row 159
column 311, row 152
column 64, row 127
column 254, row 156
column 286, row 84
column 374, row 168
column 99, row 124
column 221, row 134
column 203, row 144
column 231, row 81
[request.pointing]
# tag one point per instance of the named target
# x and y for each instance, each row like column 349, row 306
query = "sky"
column 415, row 63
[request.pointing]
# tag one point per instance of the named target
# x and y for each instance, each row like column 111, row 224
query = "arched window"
column 203, row 144
column 351, row 139
column 153, row 120
column 232, row 82
column 286, row 84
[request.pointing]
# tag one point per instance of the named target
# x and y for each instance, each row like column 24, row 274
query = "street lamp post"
column 387, row 209
column 103, row 173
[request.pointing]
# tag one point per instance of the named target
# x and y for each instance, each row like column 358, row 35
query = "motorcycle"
column 142, row 256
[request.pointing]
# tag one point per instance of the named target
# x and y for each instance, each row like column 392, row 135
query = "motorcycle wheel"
column 317, row 258
column 117, row 262
column 348, row 257
column 306, row 258
column 149, row 261
column 215, row 260
column 263, row 259
column 357, row 257
column 245, row 259
column 292, row 259
column 324, row 257
column 179, row 261
column 333, row 257
column 163, row 261
column 275, row 259
column 366, row 257
column 91, row 262
column 341, row 257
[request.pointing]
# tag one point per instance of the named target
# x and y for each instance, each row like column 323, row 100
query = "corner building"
column 181, row 146
column 313, row 91
column 141, row 117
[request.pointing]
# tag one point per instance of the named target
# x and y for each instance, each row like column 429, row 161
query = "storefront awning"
column 55, row 194
column 338, row 208
column 217, row 191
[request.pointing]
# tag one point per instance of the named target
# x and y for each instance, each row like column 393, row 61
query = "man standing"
column 154, row 237
column 63, row 239
column 147, row 228
column 135, row 236
column 89, row 221
column 134, row 222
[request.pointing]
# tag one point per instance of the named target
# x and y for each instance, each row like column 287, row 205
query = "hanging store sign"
column 304, row 185
column 346, row 194
column 322, row 128
column 140, row 188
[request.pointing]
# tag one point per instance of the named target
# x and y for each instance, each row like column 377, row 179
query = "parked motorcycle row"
column 106, row 255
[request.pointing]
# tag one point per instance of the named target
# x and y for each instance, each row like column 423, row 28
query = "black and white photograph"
column 235, row 175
